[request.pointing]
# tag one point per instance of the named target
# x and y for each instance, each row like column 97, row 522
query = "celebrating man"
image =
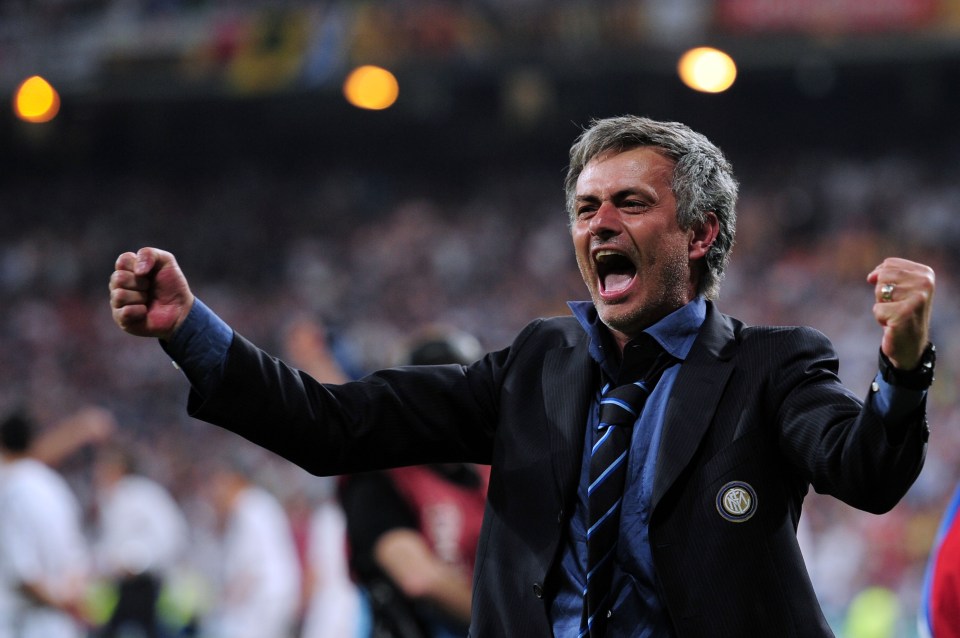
column 649, row 454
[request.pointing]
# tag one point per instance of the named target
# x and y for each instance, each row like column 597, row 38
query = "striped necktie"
column 644, row 363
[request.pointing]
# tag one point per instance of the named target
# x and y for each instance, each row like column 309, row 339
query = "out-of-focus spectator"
column 258, row 590
column 940, row 604
column 86, row 426
column 332, row 602
column 142, row 536
column 413, row 531
column 44, row 559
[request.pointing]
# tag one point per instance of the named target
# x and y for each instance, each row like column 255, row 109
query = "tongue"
column 616, row 282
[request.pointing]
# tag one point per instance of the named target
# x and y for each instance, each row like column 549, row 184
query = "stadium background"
column 218, row 130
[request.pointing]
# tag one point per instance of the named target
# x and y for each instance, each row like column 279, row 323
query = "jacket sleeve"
column 395, row 417
column 843, row 446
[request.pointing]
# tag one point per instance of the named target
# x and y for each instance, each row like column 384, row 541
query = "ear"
column 702, row 235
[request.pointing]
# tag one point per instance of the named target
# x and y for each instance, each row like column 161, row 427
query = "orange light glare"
column 707, row 69
column 371, row 87
column 36, row 100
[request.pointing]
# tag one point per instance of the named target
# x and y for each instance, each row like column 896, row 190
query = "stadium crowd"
column 374, row 257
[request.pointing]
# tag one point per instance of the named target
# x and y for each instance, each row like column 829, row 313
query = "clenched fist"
column 149, row 295
column 904, row 293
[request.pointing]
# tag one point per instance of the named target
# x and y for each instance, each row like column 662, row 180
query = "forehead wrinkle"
column 649, row 172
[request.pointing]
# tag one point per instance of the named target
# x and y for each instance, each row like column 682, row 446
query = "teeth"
column 603, row 255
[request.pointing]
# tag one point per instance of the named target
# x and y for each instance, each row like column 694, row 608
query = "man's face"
column 633, row 256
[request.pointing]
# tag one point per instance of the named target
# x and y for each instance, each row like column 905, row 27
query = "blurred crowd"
column 371, row 258
column 99, row 48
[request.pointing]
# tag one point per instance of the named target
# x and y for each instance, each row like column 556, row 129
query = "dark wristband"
column 919, row 378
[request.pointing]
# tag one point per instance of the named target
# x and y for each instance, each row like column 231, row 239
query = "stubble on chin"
column 671, row 291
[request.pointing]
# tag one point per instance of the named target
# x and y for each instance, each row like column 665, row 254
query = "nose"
column 606, row 221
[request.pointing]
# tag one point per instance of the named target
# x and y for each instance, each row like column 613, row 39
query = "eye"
column 586, row 209
column 634, row 205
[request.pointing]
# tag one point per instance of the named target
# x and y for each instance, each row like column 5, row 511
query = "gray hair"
column 703, row 179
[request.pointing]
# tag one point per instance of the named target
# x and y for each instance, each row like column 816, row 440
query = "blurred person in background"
column 332, row 600
column 142, row 535
column 741, row 423
column 87, row 426
column 257, row 593
column 44, row 558
column 413, row 531
column 939, row 614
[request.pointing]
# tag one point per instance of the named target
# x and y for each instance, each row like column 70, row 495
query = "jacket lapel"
column 696, row 393
column 568, row 382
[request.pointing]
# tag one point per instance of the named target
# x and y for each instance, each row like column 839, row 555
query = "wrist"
column 181, row 318
column 183, row 313
column 918, row 378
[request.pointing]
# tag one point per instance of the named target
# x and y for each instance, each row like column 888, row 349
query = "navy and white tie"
column 619, row 409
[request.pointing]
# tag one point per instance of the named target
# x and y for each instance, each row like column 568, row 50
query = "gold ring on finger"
column 886, row 292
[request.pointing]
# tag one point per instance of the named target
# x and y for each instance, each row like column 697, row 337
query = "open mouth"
column 615, row 271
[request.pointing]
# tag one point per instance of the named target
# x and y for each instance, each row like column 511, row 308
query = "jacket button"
column 538, row 590
column 560, row 516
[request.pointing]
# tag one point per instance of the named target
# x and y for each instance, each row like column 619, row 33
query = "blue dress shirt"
column 637, row 610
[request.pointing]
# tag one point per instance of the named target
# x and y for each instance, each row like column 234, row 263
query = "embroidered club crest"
column 737, row 501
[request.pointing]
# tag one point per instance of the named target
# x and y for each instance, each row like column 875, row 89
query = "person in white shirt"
column 333, row 607
column 258, row 594
column 44, row 559
column 142, row 537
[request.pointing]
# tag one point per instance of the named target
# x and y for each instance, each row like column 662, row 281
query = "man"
column 413, row 531
column 258, row 588
column 939, row 615
column 740, row 423
column 143, row 535
column 43, row 555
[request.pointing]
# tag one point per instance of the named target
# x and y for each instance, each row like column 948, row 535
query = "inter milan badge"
column 737, row 501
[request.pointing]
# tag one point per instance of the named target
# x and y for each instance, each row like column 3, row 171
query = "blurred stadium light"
column 371, row 87
column 35, row 100
column 707, row 69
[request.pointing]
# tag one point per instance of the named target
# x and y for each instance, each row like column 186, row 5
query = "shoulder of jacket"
column 559, row 330
column 744, row 334
column 779, row 333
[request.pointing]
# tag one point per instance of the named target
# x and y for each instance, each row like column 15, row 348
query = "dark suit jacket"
column 758, row 406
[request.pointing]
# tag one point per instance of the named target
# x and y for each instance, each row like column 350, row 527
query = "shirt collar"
column 676, row 332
